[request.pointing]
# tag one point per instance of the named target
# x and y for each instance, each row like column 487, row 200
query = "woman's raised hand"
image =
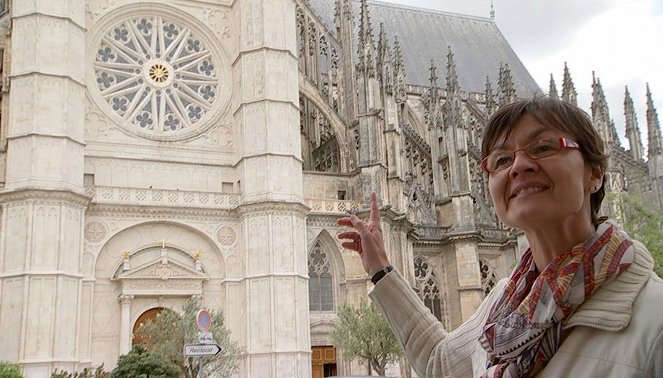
column 366, row 238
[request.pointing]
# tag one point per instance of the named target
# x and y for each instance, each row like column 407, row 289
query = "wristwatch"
column 381, row 273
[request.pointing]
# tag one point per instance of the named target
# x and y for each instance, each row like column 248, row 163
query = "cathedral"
column 155, row 151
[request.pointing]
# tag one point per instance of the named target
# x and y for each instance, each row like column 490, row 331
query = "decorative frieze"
column 162, row 197
column 331, row 206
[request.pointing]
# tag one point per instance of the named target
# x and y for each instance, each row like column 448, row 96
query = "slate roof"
column 423, row 34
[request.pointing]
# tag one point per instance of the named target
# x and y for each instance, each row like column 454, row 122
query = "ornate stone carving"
column 226, row 236
column 95, row 232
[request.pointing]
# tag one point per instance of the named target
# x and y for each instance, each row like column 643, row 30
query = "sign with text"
column 198, row 350
column 205, row 338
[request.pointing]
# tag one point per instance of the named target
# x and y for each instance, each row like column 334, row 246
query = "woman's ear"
column 596, row 177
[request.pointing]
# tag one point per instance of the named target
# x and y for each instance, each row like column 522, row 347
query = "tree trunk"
column 378, row 368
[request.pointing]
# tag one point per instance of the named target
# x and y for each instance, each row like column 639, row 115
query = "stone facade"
column 153, row 152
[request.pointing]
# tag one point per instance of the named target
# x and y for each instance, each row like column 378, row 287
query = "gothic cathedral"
column 155, row 151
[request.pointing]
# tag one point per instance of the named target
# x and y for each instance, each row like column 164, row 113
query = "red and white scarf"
column 524, row 326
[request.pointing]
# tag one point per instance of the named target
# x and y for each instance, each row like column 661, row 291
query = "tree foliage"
column 97, row 372
column 363, row 333
column 168, row 333
column 140, row 363
column 644, row 223
column 10, row 370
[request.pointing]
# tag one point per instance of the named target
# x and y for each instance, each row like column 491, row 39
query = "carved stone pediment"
column 164, row 269
column 161, row 277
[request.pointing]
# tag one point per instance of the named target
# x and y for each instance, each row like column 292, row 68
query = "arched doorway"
column 150, row 314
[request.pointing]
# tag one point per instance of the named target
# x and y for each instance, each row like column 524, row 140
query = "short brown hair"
column 560, row 115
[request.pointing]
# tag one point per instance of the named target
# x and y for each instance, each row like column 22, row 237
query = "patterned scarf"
column 524, row 327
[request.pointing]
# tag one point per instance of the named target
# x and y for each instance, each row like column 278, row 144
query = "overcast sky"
column 621, row 40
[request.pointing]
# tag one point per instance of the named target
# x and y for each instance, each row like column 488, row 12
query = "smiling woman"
column 582, row 300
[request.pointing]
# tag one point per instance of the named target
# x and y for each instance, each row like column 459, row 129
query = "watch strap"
column 381, row 273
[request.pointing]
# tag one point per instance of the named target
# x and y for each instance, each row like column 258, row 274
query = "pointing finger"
column 375, row 212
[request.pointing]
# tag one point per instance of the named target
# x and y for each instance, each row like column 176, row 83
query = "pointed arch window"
column 320, row 285
column 428, row 287
column 488, row 276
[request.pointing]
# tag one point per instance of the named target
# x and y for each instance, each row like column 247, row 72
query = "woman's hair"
column 560, row 115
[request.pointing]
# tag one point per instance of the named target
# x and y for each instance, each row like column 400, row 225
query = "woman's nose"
column 522, row 163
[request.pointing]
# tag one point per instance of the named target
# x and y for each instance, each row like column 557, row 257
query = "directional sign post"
column 200, row 350
column 207, row 346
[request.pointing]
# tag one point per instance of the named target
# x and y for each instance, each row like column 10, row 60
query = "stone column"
column 469, row 277
column 42, row 203
column 125, row 323
column 272, row 291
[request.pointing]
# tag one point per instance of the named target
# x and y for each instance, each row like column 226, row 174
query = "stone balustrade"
column 332, row 206
column 162, row 197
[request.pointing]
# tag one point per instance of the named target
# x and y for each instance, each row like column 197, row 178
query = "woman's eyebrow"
column 531, row 135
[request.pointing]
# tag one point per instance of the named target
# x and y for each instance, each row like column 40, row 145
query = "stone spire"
column 342, row 13
column 432, row 115
column 631, row 125
column 552, row 90
column 399, row 73
column 452, row 108
column 655, row 142
column 490, row 98
column 506, row 90
column 366, row 46
column 384, row 59
column 569, row 93
column 345, row 31
column 601, row 115
column 453, row 88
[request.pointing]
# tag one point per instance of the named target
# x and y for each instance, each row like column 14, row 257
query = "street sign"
column 198, row 350
column 203, row 320
column 205, row 338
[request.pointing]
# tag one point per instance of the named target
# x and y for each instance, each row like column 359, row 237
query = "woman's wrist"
column 377, row 276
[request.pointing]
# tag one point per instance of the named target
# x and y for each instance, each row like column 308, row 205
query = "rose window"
column 157, row 76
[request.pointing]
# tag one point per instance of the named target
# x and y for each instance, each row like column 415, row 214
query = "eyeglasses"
column 539, row 149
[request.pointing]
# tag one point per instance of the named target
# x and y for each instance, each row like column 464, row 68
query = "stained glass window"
column 320, row 287
column 428, row 287
column 156, row 75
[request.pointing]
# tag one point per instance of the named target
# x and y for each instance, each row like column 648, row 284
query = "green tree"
column 140, row 363
column 10, row 370
column 168, row 333
column 97, row 372
column 363, row 333
column 644, row 223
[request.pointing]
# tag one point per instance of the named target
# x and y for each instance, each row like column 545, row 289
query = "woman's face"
column 552, row 191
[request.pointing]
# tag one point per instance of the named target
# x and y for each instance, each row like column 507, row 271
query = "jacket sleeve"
column 431, row 350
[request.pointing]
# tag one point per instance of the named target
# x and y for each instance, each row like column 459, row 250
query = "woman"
column 583, row 301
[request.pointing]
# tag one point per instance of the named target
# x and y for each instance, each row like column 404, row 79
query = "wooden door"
column 323, row 360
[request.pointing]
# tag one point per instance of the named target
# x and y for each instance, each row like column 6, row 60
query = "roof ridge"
column 426, row 10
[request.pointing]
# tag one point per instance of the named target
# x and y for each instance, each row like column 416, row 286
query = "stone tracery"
column 156, row 75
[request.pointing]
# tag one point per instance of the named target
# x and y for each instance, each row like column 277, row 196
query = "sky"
column 620, row 40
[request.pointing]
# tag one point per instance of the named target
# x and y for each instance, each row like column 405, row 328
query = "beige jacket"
column 618, row 332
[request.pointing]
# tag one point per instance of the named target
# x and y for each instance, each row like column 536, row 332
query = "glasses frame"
column 563, row 143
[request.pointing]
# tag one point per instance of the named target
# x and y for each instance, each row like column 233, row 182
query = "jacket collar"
column 610, row 307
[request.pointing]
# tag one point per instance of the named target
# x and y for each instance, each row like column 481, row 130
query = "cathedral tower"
column 43, row 201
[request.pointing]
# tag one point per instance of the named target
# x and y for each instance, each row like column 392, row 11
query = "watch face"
column 158, row 75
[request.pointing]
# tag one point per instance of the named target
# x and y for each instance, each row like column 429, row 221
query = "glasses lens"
column 499, row 160
column 543, row 148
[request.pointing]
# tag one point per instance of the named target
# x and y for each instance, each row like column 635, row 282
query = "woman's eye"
column 502, row 161
column 541, row 148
